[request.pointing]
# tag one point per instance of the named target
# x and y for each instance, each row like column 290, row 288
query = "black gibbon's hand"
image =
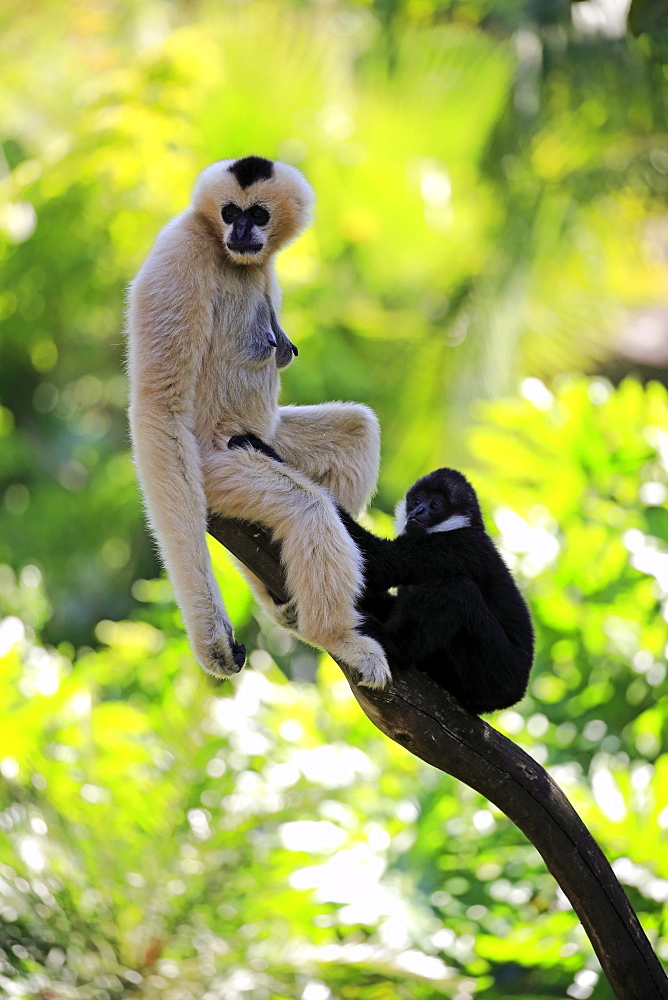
column 375, row 549
column 251, row 442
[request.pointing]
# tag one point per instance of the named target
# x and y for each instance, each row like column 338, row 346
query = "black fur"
column 250, row 169
column 458, row 614
column 238, row 654
column 252, row 441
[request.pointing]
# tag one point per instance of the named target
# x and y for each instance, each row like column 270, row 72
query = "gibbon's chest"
column 237, row 387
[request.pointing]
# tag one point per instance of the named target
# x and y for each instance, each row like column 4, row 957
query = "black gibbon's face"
column 441, row 501
column 425, row 509
column 245, row 228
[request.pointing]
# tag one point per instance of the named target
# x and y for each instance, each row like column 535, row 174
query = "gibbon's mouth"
column 415, row 522
column 244, row 248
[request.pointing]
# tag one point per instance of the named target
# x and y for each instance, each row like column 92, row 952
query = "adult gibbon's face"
column 257, row 205
column 245, row 231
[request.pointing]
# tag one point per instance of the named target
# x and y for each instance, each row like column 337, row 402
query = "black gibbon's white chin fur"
column 403, row 524
column 205, row 346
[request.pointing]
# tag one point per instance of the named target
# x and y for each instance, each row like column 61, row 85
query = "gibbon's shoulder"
column 182, row 255
column 187, row 233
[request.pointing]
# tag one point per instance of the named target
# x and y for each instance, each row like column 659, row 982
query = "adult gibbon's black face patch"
column 251, row 169
column 244, row 237
column 257, row 213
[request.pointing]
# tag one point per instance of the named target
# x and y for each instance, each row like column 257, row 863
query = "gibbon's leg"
column 462, row 645
column 427, row 617
column 323, row 566
column 334, row 444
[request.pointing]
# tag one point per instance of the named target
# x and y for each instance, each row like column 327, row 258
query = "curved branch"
column 416, row 713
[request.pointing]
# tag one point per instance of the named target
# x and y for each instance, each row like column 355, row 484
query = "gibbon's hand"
column 285, row 349
column 377, row 630
column 223, row 657
column 238, row 654
column 251, row 442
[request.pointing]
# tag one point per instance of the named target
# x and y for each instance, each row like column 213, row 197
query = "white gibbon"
column 204, row 349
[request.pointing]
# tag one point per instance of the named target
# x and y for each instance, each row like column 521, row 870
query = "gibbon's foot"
column 286, row 615
column 375, row 629
column 253, row 442
column 224, row 658
column 367, row 660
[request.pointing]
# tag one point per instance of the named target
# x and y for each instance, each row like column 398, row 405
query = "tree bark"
column 414, row 712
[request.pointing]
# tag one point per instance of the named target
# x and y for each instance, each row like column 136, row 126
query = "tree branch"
column 416, row 713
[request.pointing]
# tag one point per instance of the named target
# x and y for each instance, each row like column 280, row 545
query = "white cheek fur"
column 400, row 517
column 450, row 523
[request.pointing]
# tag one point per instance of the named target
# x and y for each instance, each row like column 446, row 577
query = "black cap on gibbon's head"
column 250, row 169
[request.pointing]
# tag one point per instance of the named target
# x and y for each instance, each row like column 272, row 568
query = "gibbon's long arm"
column 414, row 712
column 403, row 561
column 172, row 323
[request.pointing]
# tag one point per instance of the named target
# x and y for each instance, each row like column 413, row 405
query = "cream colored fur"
column 400, row 517
column 197, row 313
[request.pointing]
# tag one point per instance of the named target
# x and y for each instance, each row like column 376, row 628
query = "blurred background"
column 487, row 269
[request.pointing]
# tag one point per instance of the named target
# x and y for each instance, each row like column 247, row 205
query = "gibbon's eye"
column 414, row 502
column 259, row 214
column 230, row 212
column 436, row 505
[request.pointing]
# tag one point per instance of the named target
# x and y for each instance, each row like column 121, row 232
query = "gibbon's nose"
column 242, row 233
column 419, row 514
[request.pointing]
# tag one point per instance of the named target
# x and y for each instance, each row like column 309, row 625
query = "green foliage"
column 648, row 17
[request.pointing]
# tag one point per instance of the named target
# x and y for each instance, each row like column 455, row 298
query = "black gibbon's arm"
column 251, row 442
column 407, row 560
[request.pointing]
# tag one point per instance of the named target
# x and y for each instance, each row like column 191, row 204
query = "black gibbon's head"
column 256, row 205
column 442, row 501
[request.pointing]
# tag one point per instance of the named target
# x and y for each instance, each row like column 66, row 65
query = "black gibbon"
column 458, row 615
column 204, row 349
